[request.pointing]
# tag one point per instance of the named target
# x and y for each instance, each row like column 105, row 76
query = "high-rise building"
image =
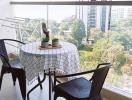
column 104, row 18
column 119, row 13
column 94, row 17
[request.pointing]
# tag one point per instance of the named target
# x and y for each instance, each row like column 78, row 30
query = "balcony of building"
column 106, row 36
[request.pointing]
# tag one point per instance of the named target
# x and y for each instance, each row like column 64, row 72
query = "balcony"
column 110, row 35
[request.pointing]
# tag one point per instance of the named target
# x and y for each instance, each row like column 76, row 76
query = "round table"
column 35, row 60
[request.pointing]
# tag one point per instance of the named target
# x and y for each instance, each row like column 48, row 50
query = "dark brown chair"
column 13, row 67
column 81, row 88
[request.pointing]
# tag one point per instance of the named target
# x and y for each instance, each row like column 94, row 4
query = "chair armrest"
column 85, row 72
column 76, row 74
column 70, row 75
column 102, row 64
column 14, row 40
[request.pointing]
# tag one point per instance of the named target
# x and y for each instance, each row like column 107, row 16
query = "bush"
column 87, row 60
column 85, row 47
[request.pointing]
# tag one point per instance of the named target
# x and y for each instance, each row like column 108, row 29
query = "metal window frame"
column 113, row 3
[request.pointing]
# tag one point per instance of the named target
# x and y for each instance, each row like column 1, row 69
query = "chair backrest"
column 98, row 80
column 3, row 51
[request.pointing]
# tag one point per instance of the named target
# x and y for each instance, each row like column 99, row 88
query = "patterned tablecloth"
column 35, row 60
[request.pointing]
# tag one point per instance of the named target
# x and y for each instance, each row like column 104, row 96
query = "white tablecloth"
column 35, row 60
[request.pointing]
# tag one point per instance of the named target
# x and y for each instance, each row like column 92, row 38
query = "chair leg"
column 52, row 84
column 22, row 84
column 100, row 97
column 39, row 82
column 14, row 78
column 3, row 70
column 55, row 96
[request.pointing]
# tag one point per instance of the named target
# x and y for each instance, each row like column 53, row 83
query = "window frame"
column 113, row 3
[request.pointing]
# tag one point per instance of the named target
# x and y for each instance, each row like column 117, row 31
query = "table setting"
column 40, row 56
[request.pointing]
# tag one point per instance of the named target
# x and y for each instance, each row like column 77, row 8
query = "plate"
column 50, row 47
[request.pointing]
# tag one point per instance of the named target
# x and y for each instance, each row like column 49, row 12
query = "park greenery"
column 112, row 46
column 78, row 30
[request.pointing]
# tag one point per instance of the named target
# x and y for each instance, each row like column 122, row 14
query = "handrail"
column 15, row 27
column 14, row 19
column 10, row 21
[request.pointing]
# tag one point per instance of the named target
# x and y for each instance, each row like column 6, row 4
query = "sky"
column 57, row 13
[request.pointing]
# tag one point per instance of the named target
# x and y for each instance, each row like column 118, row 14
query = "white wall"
column 6, row 32
column 6, row 11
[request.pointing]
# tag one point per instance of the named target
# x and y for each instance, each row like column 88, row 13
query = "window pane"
column 101, row 33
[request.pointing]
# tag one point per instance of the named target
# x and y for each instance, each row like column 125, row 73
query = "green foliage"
column 105, row 51
column 86, row 55
column 61, row 32
column 85, row 47
column 115, row 55
column 99, row 48
column 75, row 42
column 55, row 40
column 45, row 39
column 96, row 34
column 64, row 26
column 123, row 39
column 87, row 60
column 78, row 30
column 120, row 61
column 114, row 79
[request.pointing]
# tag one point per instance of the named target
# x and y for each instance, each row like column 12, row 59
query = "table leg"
column 49, row 85
column 39, row 82
column 36, row 86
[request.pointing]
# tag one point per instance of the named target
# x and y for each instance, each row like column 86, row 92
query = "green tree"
column 96, row 34
column 99, row 48
column 106, row 51
column 78, row 30
column 123, row 39
column 64, row 26
column 115, row 54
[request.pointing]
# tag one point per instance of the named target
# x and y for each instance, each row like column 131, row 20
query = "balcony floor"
column 10, row 92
